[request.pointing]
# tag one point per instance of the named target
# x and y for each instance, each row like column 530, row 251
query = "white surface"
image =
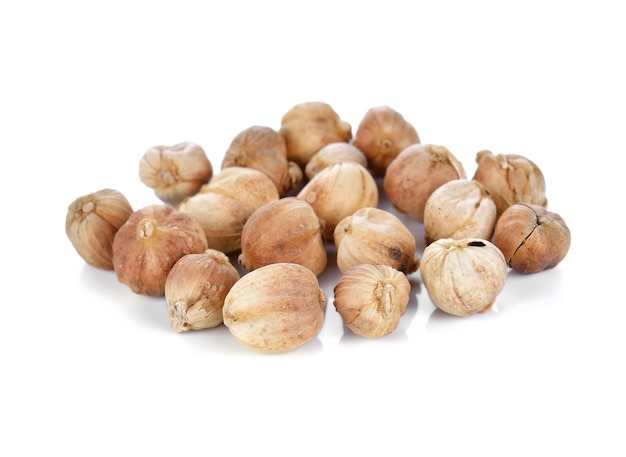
column 91, row 369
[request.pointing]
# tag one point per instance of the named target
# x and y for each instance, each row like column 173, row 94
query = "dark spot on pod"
column 395, row 253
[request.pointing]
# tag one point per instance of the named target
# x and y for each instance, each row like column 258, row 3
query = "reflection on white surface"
column 148, row 312
column 521, row 295
column 538, row 289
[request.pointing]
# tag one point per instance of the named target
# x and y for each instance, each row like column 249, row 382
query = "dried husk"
column 458, row 209
column 223, row 206
column 283, row 231
column 416, row 173
column 175, row 172
column 91, row 223
column 331, row 154
column 381, row 135
column 150, row 242
column 264, row 149
column 371, row 299
column 309, row 126
column 195, row 289
column 377, row 237
column 510, row 178
column 463, row 277
column 337, row 192
column 532, row 238
column 276, row 308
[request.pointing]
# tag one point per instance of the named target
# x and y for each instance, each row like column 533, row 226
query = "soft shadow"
column 213, row 340
column 531, row 290
column 149, row 311
column 349, row 338
column 234, row 260
column 103, row 282
column 328, row 278
column 220, row 339
column 439, row 320
column 152, row 311
column 412, row 306
column 415, row 227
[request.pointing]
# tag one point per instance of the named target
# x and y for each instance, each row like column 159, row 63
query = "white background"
column 88, row 368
